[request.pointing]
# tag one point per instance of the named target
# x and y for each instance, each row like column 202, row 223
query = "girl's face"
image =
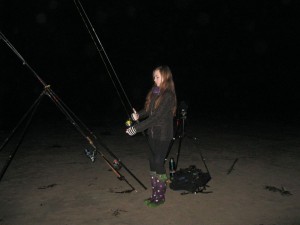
column 157, row 78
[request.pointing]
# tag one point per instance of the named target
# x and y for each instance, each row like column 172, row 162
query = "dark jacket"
column 159, row 121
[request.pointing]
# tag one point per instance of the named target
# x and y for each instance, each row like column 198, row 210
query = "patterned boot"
column 153, row 184
column 159, row 191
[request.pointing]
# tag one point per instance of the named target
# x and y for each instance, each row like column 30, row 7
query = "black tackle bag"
column 190, row 179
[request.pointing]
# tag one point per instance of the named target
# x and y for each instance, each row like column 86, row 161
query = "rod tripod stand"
column 179, row 133
column 91, row 139
column 203, row 177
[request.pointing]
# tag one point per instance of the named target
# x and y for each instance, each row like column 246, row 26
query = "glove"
column 131, row 131
column 134, row 116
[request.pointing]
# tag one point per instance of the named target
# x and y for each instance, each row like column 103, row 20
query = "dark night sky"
column 236, row 60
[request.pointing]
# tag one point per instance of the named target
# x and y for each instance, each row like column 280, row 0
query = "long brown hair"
column 167, row 84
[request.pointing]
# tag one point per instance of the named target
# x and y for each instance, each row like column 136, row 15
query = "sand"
column 51, row 181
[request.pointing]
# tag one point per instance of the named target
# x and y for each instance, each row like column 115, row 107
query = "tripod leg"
column 32, row 110
column 178, row 126
column 178, row 151
column 169, row 149
column 196, row 142
column 21, row 121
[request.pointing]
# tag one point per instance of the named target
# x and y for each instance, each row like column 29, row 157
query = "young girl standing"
column 157, row 119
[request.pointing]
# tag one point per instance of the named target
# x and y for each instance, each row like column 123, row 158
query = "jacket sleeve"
column 154, row 119
column 143, row 114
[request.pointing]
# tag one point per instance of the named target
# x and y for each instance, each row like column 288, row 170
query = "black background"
column 234, row 60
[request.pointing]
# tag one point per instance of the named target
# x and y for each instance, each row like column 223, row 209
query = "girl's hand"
column 134, row 116
column 131, row 131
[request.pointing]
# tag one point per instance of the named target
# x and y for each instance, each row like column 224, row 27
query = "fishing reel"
column 90, row 154
column 116, row 164
column 129, row 123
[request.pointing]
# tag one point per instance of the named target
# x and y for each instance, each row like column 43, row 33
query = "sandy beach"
column 52, row 182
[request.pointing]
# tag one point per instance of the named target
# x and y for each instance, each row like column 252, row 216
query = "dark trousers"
column 157, row 155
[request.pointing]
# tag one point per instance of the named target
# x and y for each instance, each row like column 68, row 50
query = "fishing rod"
column 107, row 63
column 78, row 124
